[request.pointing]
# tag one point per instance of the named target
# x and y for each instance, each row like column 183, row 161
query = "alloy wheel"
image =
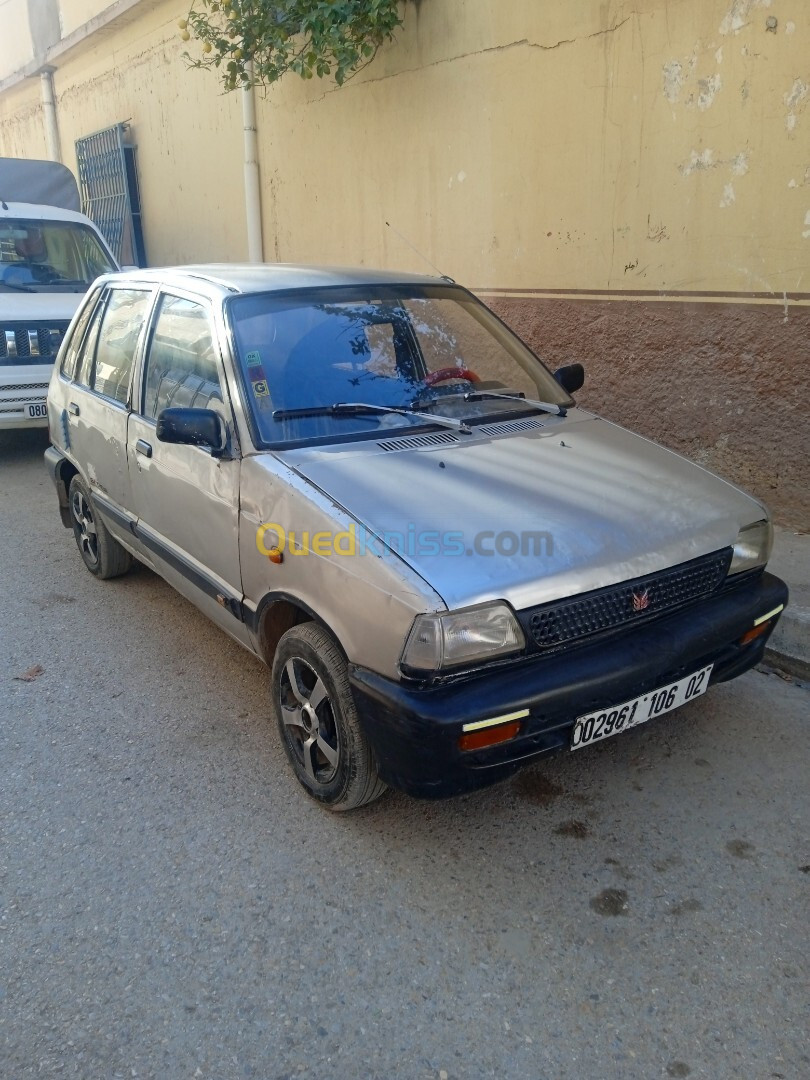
column 309, row 721
column 85, row 526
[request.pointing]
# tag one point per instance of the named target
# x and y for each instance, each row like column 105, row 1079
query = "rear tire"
column 103, row 556
column 317, row 720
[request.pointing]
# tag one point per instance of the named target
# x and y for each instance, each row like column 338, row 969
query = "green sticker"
column 260, row 389
column 253, row 359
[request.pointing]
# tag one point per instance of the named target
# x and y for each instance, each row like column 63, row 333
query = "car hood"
column 570, row 505
column 21, row 306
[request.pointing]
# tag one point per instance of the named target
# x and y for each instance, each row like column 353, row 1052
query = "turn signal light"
column 490, row 736
column 275, row 556
column 754, row 632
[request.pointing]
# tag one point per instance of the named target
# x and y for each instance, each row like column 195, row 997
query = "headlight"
column 451, row 638
column 752, row 547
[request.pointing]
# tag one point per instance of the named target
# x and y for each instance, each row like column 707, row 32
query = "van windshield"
column 50, row 256
column 395, row 349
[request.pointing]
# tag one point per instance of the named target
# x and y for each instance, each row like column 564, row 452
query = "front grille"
column 563, row 621
column 30, row 344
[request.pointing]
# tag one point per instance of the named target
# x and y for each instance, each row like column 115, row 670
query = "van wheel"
column 103, row 556
column 318, row 722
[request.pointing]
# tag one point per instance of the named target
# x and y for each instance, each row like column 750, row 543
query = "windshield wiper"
column 543, row 406
column 349, row 407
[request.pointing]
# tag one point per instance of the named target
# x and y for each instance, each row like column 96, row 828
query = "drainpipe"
column 253, row 195
column 54, row 148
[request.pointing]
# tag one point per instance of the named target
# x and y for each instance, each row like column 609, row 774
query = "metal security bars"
column 109, row 188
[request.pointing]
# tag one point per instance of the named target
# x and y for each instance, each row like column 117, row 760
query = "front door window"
column 181, row 366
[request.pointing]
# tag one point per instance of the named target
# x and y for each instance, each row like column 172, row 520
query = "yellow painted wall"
column 529, row 145
column 655, row 144
column 75, row 13
column 16, row 46
column 189, row 137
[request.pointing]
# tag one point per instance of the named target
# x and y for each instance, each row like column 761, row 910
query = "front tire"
column 103, row 556
column 318, row 723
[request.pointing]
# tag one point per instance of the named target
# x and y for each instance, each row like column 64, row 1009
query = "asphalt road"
column 171, row 906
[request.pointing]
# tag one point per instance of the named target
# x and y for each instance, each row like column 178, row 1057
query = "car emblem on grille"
column 641, row 600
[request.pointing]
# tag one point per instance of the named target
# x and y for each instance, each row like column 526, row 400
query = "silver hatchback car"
column 373, row 485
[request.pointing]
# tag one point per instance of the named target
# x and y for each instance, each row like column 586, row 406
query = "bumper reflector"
column 493, row 720
column 761, row 624
column 769, row 615
column 489, row 736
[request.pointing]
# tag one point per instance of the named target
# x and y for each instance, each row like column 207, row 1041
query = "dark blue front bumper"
column 414, row 731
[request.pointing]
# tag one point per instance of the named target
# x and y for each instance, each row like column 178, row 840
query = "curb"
column 789, row 645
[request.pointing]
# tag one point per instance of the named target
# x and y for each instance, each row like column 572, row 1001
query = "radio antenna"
column 416, row 251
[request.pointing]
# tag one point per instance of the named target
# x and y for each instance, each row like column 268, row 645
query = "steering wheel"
column 445, row 373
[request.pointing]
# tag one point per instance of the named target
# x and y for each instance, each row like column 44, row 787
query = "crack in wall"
column 522, row 43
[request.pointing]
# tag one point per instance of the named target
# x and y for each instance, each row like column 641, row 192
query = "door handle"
column 73, row 409
column 143, row 447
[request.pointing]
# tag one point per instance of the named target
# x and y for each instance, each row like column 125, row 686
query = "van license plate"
column 600, row 725
column 37, row 411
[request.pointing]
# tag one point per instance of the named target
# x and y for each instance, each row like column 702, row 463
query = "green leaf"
column 309, row 37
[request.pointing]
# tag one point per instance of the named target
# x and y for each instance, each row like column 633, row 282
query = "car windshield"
column 50, row 256
column 434, row 349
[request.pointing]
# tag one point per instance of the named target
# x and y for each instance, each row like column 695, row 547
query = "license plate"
column 37, row 411
column 600, row 725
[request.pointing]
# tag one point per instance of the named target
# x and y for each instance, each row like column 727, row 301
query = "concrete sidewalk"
column 789, row 647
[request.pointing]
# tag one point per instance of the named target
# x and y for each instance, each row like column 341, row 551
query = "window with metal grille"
column 108, row 181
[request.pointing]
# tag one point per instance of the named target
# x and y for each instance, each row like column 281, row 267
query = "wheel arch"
column 279, row 612
column 63, row 474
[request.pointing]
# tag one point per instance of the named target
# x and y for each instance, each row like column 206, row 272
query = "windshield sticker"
column 256, row 374
column 260, row 388
column 253, row 359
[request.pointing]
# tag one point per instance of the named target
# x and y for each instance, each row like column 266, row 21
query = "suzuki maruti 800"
column 372, row 484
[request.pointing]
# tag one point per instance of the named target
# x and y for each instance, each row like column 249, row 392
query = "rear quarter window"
column 74, row 345
column 87, row 350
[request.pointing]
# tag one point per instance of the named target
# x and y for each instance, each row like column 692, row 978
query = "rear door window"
column 124, row 317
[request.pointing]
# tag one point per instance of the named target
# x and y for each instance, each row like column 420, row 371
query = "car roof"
column 40, row 212
column 271, row 277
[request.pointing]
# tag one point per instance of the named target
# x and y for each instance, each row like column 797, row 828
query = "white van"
column 49, row 256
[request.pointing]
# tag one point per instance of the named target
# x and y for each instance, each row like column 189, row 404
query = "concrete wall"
column 628, row 183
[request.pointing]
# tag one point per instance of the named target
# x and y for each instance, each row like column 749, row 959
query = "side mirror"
column 571, row 377
column 193, row 427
